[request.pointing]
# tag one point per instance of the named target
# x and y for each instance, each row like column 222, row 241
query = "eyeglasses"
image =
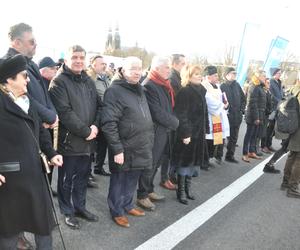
column 24, row 74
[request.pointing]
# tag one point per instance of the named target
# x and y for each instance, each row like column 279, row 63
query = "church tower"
column 109, row 41
column 117, row 39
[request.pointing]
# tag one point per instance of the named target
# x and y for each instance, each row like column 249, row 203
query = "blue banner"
column 247, row 47
column 276, row 52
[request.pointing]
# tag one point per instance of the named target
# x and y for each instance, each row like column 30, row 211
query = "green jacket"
column 294, row 144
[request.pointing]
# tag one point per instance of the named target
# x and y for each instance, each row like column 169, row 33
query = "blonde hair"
column 257, row 74
column 187, row 73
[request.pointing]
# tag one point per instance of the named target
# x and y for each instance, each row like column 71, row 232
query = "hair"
column 187, row 72
column 18, row 30
column 76, row 48
column 175, row 58
column 255, row 78
column 128, row 61
column 158, row 61
column 93, row 58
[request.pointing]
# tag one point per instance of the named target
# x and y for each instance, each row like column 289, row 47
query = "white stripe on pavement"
column 178, row 231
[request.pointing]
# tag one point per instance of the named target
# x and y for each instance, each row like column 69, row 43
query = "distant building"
column 113, row 42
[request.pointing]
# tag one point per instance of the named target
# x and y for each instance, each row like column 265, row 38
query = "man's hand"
column 186, row 141
column 57, row 160
column 55, row 124
column 93, row 134
column 2, row 179
column 257, row 122
column 119, row 158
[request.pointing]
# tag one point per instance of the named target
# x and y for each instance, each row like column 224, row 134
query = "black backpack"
column 287, row 117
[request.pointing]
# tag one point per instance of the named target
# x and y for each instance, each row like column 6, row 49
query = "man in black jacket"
column 237, row 102
column 161, row 100
column 74, row 95
column 128, row 128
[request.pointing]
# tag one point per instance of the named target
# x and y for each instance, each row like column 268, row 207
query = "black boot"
column 180, row 189
column 188, row 183
column 269, row 168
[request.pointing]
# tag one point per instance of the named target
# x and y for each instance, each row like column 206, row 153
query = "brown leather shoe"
column 121, row 221
column 136, row 212
column 245, row 158
column 254, row 156
column 168, row 185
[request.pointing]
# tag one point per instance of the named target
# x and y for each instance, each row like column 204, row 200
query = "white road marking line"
column 178, row 231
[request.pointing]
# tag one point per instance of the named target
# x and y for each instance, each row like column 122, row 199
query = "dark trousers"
column 72, row 183
column 167, row 168
column 250, row 139
column 146, row 185
column 292, row 169
column 214, row 150
column 121, row 191
column 270, row 133
column 232, row 140
column 10, row 243
column 280, row 152
column 101, row 151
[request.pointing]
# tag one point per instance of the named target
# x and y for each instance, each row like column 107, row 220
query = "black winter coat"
column 78, row 107
column 37, row 91
column 237, row 102
column 127, row 126
column 175, row 80
column 256, row 104
column 164, row 120
column 24, row 198
column 191, row 110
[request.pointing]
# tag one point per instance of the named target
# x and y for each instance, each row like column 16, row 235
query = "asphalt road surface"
column 236, row 207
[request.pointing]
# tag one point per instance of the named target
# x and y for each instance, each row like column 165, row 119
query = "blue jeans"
column 250, row 139
column 72, row 183
column 121, row 191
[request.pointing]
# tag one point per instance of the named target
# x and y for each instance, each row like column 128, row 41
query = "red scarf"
column 155, row 77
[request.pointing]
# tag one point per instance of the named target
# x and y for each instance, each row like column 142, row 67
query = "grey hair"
column 18, row 30
column 129, row 61
column 76, row 48
column 158, row 61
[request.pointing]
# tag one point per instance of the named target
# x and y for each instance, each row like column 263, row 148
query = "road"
column 259, row 217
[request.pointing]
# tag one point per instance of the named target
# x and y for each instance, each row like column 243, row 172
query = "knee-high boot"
column 188, row 183
column 181, row 196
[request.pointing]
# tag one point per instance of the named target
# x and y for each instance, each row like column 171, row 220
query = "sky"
column 191, row 27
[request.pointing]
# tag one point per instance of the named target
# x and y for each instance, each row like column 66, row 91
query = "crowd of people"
column 177, row 117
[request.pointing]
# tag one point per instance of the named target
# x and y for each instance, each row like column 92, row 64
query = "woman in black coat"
column 188, row 149
column 25, row 200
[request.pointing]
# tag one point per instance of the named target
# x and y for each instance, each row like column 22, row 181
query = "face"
column 26, row 45
column 133, row 74
column 196, row 77
column 49, row 72
column 262, row 78
column 213, row 78
column 99, row 66
column 267, row 84
column 180, row 64
column 277, row 75
column 18, row 86
column 76, row 62
column 164, row 70
column 231, row 76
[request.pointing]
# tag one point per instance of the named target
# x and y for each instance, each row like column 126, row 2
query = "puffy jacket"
column 78, row 107
column 127, row 125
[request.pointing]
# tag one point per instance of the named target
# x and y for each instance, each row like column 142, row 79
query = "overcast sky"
column 162, row 26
